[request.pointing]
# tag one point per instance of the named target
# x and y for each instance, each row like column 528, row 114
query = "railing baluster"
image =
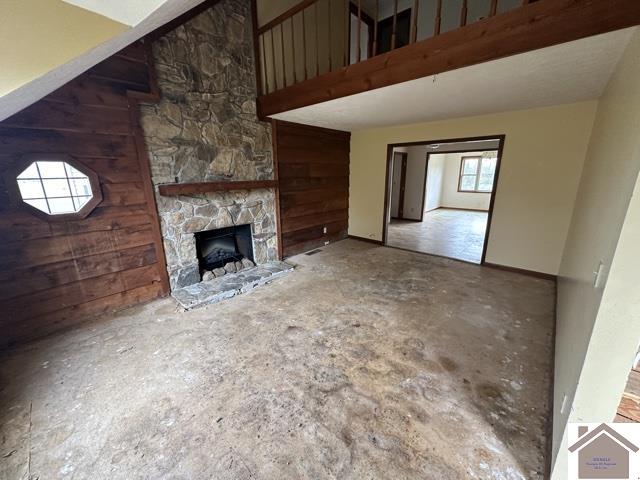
column 273, row 58
column 414, row 24
column 375, row 31
column 463, row 13
column 264, row 65
column 494, row 8
column 284, row 68
column 329, row 43
column 304, row 45
column 347, row 40
column 315, row 16
column 395, row 21
column 293, row 52
column 359, row 37
column 438, row 19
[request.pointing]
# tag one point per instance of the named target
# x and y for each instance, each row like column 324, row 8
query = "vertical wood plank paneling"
column 56, row 274
column 313, row 194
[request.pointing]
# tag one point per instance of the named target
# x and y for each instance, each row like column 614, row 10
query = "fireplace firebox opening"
column 216, row 248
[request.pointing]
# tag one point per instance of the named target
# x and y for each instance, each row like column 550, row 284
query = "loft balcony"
column 320, row 50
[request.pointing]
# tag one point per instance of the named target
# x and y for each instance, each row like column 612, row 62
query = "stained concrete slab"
column 365, row 362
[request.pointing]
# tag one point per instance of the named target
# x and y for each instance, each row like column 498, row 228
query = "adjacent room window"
column 477, row 173
column 58, row 188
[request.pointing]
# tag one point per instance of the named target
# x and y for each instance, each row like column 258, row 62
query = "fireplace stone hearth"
column 230, row 285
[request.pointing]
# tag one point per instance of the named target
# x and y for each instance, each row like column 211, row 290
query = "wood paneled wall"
column 54, row 274
column 313, row 171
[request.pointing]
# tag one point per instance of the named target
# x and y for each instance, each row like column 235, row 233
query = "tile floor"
column 449, row 233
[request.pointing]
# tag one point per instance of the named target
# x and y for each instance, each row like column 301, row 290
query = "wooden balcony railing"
column 320, row 36
column 321, row 50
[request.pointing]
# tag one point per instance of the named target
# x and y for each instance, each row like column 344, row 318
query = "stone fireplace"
column 185, row 218
column 205, row 129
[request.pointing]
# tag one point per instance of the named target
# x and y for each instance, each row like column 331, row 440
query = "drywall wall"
column 435, row 176
column 395, row 184
column 31, row 28
column 536, row 189
column 451, row 197
column 605, row 228
column 414, row 182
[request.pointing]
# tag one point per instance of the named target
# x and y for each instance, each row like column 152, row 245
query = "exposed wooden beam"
column 537, row 25
column 170, row 189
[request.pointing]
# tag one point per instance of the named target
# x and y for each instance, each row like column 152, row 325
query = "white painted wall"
column 451, row 198
column 435, row 176
column 598, row 328
column 396, row 176
column 414, row 182
column 38, row 36
column 536, row 190
column 353, row 39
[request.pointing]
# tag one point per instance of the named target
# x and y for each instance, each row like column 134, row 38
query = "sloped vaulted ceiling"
column 46, row 43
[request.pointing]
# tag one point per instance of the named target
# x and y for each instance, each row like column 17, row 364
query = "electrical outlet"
column 324, row 230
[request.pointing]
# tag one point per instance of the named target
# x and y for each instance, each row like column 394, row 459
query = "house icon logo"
column 602, row 453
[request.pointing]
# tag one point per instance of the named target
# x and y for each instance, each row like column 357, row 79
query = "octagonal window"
column 54, row 187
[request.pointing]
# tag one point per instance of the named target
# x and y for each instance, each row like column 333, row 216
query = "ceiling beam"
column 533, row 26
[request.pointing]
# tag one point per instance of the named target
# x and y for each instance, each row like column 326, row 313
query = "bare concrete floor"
column 364, row 363
column 445, row 232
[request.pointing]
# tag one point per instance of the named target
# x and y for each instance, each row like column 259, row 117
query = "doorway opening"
column 440, row 195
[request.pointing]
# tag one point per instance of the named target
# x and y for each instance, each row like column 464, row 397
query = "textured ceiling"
column 566, row 73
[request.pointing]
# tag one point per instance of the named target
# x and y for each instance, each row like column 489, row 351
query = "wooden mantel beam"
column 536, row 25
column 172, row 189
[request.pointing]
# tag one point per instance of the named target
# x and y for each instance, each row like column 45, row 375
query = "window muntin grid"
column 54, row 187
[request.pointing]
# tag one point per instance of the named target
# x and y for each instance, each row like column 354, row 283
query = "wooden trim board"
column 387, row 192
column 364, row 239
column 531, row 273
column 169, row 189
